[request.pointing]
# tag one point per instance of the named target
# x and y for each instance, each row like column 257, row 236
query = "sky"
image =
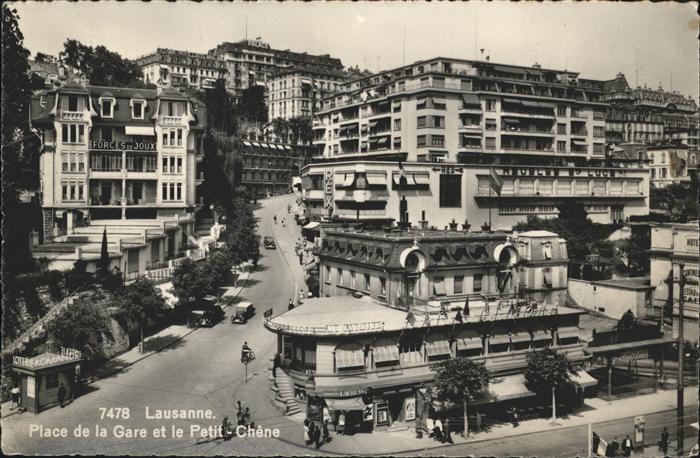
column 651, row 43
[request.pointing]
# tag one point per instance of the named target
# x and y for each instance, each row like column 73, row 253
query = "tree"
column 280, row 127
column 101, row 66
column 142, row 302
column 81, row 326
column 189, row 282
column 252, row 104
column 104, row 255
column 221, row 108
column 220, row 268
column 636, row 251
column 43, row 57
column 459, row 381
column 679, row 201
column 546, row 371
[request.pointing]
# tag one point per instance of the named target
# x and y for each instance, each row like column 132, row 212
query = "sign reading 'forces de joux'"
column 328, row 190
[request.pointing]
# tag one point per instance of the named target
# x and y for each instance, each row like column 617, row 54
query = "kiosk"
column 42, row 376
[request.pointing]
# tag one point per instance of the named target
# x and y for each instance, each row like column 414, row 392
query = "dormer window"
column 137, row 109
column 107, row 107
column 547, row 250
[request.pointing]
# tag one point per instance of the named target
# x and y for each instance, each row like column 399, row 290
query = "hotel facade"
column 172, row 68
column 396, row 304
column 123, row 161
column 453, row 123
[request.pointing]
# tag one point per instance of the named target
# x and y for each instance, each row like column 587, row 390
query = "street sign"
column 639, row 422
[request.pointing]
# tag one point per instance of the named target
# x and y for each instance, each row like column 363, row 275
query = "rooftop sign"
column 48, row 359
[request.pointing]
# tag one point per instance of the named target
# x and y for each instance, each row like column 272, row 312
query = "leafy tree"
column 221, row 108
column 280, row 127
column 220, row 268
column 43, row 57
column 101, row 66
column 252, row 104
column 142, row 302
column 547, row 371
column 679, row 201
column 636, row 250
column 459, row 381
column 78, row 277
column 81, row 326
column 301, row 130
column 189, row 282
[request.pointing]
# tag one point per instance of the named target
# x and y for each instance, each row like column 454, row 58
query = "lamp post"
column 681, row 350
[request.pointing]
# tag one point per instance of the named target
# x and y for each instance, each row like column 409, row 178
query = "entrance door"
column 616, row 213
column 171, row 246
column 106, row 193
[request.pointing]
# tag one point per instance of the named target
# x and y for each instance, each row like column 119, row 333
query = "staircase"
column 282, row 392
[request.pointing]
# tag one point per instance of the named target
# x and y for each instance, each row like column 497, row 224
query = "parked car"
column 269, row 243
column 207, row 312
column 242, row 312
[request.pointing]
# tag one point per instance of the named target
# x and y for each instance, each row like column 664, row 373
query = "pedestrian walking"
column 290, row 306
column 663, row 443
column 317, row 437
column 341, row 423
column 627, row 446
column 307, row 435
column 15, row 392
column 448, row 435
column 61, row 394
column 326, row 433
column 246, row 416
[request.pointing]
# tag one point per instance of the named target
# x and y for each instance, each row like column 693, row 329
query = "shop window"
column 51, row 381
column 450, row 190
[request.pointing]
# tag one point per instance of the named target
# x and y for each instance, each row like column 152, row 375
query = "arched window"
column 349, row 356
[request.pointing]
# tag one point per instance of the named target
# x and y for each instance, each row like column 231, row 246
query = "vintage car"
column 269, row 243
column 242, row 312
column 206, row 313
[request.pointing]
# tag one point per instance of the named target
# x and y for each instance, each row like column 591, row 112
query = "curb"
column 107, row 374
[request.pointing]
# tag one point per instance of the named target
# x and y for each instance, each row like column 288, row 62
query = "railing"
column 71, row 115
column 171, row 120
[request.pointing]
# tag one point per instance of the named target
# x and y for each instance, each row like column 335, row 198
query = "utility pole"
column 679, row 412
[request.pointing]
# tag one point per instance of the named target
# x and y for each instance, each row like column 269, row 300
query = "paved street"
column 201, row 371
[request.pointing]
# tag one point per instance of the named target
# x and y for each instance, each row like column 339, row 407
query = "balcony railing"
column 171, row 120
column 65, row 115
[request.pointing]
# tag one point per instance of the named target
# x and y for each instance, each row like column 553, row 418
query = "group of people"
column 242, row 419
column 317, row 435
column 438, row 430
column 615, row 448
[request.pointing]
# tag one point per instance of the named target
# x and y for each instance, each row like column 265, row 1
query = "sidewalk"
column 385, row 443
column 152, row 344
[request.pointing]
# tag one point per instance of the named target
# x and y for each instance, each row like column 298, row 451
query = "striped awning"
column 520, row 336
column 438, row 348
column 345, row 358
column 567, row 332
column 385, row 352
column 542, row 335
column 471, row 100
column 583, row 379
column 499, row 338
column 469, row 340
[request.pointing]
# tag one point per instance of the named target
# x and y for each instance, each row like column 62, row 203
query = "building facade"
column 172, row 68
column 118, row 160
column 445, row 110
column 671, row 164
column 427, row 297
column 439, row 195
column 253, row 62
column 673, row 245
column 295, row 92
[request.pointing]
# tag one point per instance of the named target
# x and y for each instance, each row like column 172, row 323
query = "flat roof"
column 348, row 315
column 419, row 234
column 634, row 283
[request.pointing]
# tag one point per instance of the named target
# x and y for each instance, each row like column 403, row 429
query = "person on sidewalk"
column 61, row 394
column 246, row 417
column 307, row 435
column 627, row 446
column 341, row 423
column 290, row 306
column 15, row 392
column 448, row 435
column 312, row 432
column 317, row 437
column 663, row 443
column 326, row 433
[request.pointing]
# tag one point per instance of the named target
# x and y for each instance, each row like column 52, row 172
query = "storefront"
column 43, row 376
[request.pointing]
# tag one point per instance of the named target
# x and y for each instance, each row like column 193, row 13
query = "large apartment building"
column 672, row 164
column 169, row 67
column 253, row 62
column 122, row 160
column 426, row 141
column 296, row 92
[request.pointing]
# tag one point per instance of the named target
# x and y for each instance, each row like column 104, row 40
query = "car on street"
column 207, row 312
column 269, row 243
column 242, row 312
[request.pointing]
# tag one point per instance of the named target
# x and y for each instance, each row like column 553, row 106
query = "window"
column 547, row 251
column 107, row 110
column 178, row 191
column 437, row 140
column 340, row 276
column 458, row 284
column 72, row 190
column 421, row 141
column 367, row 282
column 172, row 137
column 450, row 190
column 51, row 381
column 490, row 105
column 490, row 143
column 397, row 124
column 478, row 280
column 561, row 128
column 137, row 110
column 73, row 133
column 72, row 103
column 327, row 276
column 422, row 122
column 171, row 191
column 561, row 110
column 439, row 286
column 352, row 279
column 382, row 286
column 598, row 131
column 397, row 143
column 73, row 162
column 561, row 146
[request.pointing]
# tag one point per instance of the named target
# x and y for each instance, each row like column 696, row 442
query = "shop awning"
column 568, row 332
column 349, row 178
column 583, row 379
column 579, row 143
column 469, row 340
column 541, row 335
column 376, row 179
column 499, row 339
column 471, row 100
column 355, row 403
column 514, row 71
column 520, row 336
column 139, row 130
column 312, row 225
column 530, row 104
column 349, row 358
column 384, row 353
column 438, row 348
column 510, row 387
column 421, row 179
